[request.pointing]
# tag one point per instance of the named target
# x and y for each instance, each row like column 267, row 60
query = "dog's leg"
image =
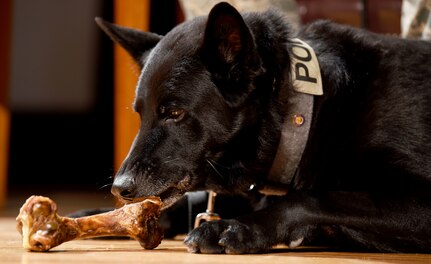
column 373, row 222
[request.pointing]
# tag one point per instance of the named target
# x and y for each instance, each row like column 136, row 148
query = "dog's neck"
column 306, row 83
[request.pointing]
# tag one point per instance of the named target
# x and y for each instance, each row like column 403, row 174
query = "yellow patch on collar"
column 305, row 69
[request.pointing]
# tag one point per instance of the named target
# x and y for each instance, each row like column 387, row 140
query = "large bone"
column 42, row 228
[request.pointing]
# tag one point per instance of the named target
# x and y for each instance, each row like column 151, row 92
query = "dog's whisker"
column 219, row 165
column 109, row 178
column 171, row 160
column 105, row 186
column 210, row 162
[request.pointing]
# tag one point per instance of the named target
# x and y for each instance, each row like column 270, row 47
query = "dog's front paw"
column 226, row 236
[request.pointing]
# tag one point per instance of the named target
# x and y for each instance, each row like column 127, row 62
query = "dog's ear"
column 229, row 52
column 135, row 42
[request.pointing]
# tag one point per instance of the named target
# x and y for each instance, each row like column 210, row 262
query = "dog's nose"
column 124, row 186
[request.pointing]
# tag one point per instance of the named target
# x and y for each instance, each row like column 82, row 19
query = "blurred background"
column 61, row 126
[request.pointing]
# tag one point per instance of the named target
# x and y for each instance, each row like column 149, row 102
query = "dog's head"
column 196, row 96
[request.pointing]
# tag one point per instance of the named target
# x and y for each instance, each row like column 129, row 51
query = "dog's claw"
column 192, row 245
column 296, row 243
column 193, row 250
column 222, row 242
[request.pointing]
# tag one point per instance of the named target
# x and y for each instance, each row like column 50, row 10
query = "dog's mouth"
column 175, row 192
column 169, row 195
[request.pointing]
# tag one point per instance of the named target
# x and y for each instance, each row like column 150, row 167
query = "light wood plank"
column 5, row 33
column 174, row 251
column 135, row 14
column 4, row 152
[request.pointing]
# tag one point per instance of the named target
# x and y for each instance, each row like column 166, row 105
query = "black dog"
column 223, row 107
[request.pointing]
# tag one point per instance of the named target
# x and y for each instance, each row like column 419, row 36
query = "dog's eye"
column 175, row 115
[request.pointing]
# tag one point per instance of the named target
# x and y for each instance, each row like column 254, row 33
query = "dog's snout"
column 124, row 187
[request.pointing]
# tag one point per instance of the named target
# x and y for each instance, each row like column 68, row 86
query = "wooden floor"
column 170, row 251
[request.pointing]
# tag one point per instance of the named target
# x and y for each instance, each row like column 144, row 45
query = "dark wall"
column 62, row 136
column 62, row 139
column 165, row 15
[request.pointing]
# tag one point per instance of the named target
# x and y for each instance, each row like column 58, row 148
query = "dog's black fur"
column 212, row 96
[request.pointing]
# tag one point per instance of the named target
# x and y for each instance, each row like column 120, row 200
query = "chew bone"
column 42, row 228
